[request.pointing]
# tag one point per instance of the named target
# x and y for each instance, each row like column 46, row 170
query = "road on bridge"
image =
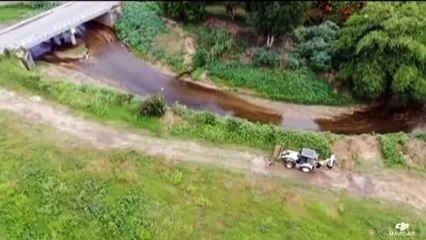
column 59, row 19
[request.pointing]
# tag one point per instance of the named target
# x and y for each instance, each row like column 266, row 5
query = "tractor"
column 306, row 159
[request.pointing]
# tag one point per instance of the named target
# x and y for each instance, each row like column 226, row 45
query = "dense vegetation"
column 373, row 59
column 382, row 50
column 184, row 10
column 213, row 46
column 140, row 25
column 274, row 18
column 301, row 87
column 51, row 190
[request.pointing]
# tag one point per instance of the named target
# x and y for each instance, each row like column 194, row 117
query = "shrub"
column 139, row 26
column 153, row 106
column 423, row 137
column 184, row 10
column 391, row 148
column 315, row 45
column 266, row 57
column 200, row 58
column 215, row 42
column 219, row 129
column 295, row 61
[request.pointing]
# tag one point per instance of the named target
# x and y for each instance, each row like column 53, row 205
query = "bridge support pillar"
column 72, row 36
column 110, row 18
column 26, row 58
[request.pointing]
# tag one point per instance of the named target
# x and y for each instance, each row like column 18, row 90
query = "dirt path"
column 381, row 183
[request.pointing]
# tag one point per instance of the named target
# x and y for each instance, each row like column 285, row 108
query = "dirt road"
column 381, row 183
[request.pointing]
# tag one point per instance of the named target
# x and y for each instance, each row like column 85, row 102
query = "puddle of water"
column 116, row 63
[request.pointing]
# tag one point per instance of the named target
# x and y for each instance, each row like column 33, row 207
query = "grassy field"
column 51, row 188
column 15, row 12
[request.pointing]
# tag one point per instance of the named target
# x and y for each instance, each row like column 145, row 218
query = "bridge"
column 21, row 37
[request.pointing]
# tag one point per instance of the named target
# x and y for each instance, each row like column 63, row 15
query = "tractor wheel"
column 306, row 168
column 289, row 165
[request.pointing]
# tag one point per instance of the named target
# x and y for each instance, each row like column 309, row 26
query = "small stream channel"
column 112, row 61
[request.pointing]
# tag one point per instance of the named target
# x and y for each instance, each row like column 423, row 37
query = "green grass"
column 107, row 104
column 15, row 12
column 422, row 136
column 51, row 190
column 392, row 147
column 95, row 102
column 292, row 86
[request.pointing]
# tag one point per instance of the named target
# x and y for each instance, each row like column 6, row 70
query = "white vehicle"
column 306, row 159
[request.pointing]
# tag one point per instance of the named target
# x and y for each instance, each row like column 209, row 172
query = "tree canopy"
column 184, row 10
column 315, row 45
column 276, row 17
column 382, row 50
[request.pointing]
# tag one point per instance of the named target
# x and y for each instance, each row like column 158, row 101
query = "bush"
column 266, row 57
column 215, row 42
column 219, row 129
column 184, row 10
column 302, row 87
column 295, row 61
column 200, row 58
column 391, row 149
column 153, row 106
column 139, row 26
column 315, row 45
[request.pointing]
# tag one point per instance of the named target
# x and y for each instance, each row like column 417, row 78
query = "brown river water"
column 113, row 61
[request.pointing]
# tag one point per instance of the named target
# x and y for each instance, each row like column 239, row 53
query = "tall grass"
column 102, row 103
column 51, row 191
column 219, row 129
column 292, row 86
column 391, row 149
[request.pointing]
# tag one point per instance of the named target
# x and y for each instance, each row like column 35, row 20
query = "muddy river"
column 110, row 60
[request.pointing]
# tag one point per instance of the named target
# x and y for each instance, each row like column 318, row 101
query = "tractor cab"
column 307, row 155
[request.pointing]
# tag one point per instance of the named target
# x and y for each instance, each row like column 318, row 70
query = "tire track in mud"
column 380, row 183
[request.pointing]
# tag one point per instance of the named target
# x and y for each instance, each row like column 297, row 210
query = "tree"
column 275, row 17
column 231, row 8
column 315, row 45
column 335, row 11
column 184, row 10
column 382, row 50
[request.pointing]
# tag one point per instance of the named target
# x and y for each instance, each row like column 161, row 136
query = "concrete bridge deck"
column 29, row 33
